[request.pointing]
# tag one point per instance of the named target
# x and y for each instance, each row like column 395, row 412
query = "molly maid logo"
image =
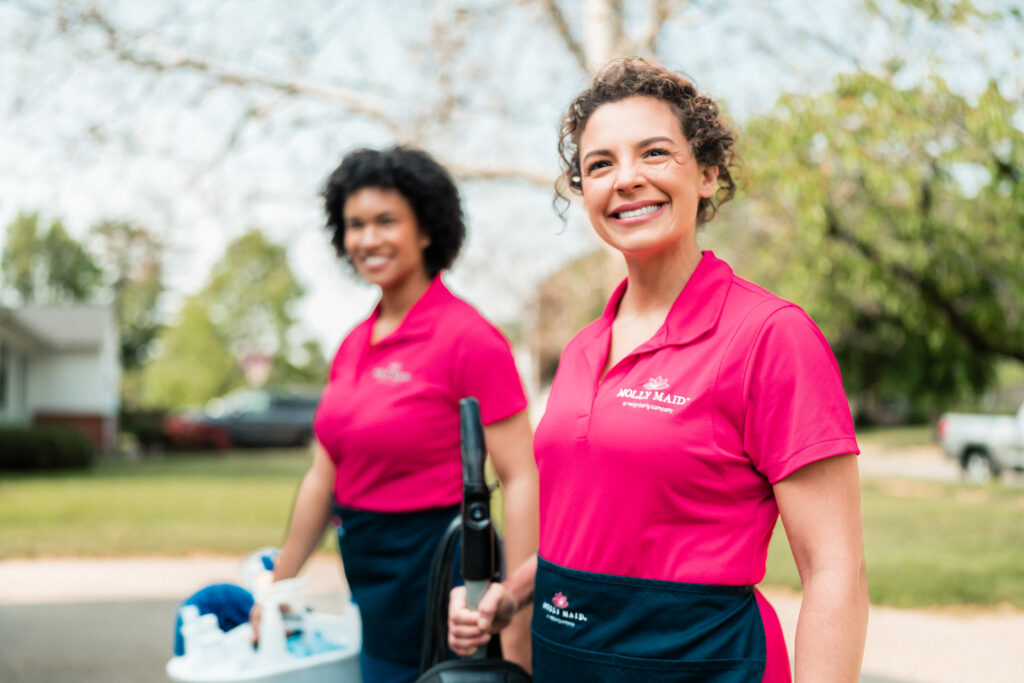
column 392, row 374
column 652, row 396
column 658, row 383
column 558, row 611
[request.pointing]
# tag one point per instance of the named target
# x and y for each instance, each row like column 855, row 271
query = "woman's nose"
column 369, row 236
column 628, row 177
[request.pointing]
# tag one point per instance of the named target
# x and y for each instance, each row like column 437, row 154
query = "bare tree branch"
column 561, row 27
column 468, row 172
column 174, row 59
column 661, row 11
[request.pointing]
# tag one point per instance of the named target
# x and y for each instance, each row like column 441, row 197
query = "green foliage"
column 193, row 364
column 46, row 267
column 146, row 426
column 894, row 217
column 44, row 448
column 250, row 295
column 244, row 311
column 132, row 258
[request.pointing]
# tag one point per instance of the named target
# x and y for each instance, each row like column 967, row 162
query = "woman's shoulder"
column 750, row 303
column 459, row 318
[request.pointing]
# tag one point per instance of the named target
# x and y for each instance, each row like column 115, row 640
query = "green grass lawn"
column 933, row 544
column 203, row 503
column 926, row 543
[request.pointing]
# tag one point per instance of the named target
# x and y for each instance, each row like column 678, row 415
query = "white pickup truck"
column 984, row 445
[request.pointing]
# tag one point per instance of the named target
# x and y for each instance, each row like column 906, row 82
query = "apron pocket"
column 589, row 626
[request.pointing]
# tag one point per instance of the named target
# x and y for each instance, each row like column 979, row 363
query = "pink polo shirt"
column 663, row 468
column 389, row 415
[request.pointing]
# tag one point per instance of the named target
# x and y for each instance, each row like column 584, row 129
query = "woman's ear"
column 708, row 181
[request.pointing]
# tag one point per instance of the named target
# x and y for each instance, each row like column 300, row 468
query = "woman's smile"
column 637, row 212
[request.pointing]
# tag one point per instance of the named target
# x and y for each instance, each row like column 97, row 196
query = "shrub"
column 46, row 447
column 146, row 426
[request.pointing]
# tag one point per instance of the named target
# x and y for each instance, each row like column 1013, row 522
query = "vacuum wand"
column 478, row 558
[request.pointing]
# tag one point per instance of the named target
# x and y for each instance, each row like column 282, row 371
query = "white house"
column 61, row 364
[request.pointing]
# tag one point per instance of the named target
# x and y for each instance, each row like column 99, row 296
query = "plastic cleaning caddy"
column 322, row 647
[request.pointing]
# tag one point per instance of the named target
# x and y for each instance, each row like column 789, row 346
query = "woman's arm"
column 310, row 515
column 820, row 508
column 510, row 444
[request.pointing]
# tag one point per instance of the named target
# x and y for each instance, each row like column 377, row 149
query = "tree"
column 47, row 267
column 243, row 313
column 193, row 363
column 250, row 296
column 894, row 216
column 132, row 259
column 248, row 108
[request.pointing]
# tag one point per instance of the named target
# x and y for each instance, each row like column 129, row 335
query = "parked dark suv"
column 247, row 417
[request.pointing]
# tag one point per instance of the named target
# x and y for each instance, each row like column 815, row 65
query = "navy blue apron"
column 387, row 565
column 600, row 627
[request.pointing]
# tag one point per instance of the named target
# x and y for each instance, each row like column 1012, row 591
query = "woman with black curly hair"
column 387, row 456
column 679, row 426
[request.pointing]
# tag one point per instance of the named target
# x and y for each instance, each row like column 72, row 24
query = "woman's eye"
column 655, row 153
column 597, row 166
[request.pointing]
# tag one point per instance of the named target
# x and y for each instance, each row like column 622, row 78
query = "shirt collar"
column 421, row 319
column 695, row 312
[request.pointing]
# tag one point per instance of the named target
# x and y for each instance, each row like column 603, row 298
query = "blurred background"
column 166, row 281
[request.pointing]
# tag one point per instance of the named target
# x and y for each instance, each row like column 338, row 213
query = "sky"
column 85, row 137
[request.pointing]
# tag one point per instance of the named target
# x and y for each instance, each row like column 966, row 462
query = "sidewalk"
column 933, row 646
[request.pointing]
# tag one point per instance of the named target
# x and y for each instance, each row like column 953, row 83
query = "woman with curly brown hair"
column 680, row 425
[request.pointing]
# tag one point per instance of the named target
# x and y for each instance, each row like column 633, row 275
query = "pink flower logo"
column 656, row 383
column 560, row 601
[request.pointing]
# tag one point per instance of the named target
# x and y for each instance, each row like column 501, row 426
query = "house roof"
column 68, row 327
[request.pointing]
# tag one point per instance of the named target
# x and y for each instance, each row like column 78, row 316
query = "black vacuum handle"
column 478, row 561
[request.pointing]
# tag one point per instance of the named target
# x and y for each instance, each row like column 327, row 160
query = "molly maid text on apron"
column 600, row 627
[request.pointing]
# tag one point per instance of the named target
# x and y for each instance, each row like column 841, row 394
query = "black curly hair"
column 711, row 138
column 422, row 181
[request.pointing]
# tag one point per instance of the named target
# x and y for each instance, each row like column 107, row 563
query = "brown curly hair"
column 711, row 138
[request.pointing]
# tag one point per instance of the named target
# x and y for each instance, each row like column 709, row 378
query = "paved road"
column 101, row 642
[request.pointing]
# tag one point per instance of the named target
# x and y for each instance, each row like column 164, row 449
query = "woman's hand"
column 254, row 619
column 469, row 629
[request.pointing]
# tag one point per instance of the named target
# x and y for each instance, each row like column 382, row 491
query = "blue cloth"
column 229, row 602
column 598, row 627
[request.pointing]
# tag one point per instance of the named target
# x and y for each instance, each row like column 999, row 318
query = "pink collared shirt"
column 389, row 415
column 663, row 468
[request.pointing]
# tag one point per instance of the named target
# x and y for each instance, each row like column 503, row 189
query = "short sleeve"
column 796, row 411
column 487, row 371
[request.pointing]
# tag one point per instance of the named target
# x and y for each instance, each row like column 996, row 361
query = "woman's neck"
column 654, row 283
column 396, row 302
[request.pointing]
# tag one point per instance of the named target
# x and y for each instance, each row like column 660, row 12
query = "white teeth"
column 375, row 260
column 650, row 208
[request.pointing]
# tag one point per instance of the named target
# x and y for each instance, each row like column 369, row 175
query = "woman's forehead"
column 631, row 120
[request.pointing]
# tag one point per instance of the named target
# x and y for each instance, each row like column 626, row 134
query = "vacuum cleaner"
column 480, row 564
